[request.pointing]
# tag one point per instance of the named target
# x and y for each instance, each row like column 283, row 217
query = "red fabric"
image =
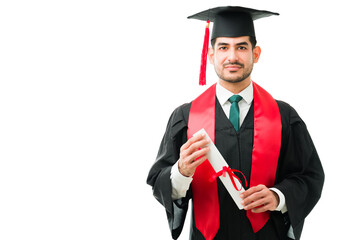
column 205, row 193
column 266, row 148
column 267, row 141
column 202, row 79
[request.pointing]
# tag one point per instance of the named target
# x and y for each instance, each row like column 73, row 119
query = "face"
column 233, row 58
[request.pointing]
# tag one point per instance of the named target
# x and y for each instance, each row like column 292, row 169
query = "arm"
column 180, row 184
column 300, row 174
column 159, row 174
column 176, row 151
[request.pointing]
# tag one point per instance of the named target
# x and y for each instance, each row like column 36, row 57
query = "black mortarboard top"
column 230, row 21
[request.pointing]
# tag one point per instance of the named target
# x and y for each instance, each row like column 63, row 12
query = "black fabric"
column 232, row 21
column 299, row 175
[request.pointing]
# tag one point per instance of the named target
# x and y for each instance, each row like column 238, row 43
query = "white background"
column 87, row 87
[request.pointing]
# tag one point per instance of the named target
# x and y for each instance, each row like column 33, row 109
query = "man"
column 265, row 139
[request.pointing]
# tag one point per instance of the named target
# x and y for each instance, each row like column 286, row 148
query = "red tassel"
column 202, row 80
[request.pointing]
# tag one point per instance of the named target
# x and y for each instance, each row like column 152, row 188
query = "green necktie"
column 234, row 111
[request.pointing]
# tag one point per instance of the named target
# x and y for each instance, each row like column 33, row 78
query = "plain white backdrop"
column 87, row 87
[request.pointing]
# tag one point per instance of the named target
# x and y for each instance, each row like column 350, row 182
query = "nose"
column 232, row 57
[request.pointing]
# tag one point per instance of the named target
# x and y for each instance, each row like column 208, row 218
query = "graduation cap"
column 228, row 21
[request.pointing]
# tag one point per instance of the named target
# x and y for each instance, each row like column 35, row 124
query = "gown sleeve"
column 300, row 172
column 159, row 175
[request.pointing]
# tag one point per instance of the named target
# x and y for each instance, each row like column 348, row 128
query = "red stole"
column 266, row 149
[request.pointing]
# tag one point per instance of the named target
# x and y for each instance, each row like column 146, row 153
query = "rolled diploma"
column 218, row 162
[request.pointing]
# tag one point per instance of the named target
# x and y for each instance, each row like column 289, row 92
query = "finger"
column 261, row 209
column 251, row 191
column 266, row 205
column 198, row 161
column 252, row 199
column 257, row 193
column 258, row 203
column 189, row 168
column 199, row 153
column 194, row 151
column 197, row 145
column 266, row 202
column 191, row 141
column 189, row 160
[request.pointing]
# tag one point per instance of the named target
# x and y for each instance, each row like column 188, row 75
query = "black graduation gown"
column 299, row 175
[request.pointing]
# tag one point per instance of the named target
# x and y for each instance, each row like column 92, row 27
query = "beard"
column 233, row 76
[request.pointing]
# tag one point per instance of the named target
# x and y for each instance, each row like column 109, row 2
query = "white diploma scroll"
column 218, row 162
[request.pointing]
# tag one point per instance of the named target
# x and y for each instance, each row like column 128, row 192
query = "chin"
column 234, row 77
column 234, row 80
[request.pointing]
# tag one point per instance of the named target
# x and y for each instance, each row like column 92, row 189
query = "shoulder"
column 178, row 120
column 180, row 114
column 288, row 113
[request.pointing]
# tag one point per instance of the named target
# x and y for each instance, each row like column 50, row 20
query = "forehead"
column 232, row 40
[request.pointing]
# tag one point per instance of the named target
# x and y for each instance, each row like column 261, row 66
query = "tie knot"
column 235, row 98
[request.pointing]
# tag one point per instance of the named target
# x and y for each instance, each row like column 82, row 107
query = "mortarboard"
column 228, row 21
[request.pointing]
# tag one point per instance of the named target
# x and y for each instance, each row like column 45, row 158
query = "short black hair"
column 252, row 40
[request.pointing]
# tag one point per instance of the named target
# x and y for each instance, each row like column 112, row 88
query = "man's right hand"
column 192, row 154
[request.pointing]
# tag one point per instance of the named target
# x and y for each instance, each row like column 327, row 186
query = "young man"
column 265, row 139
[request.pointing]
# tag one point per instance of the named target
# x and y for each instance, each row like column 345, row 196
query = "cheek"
column 249, row 59
column 219, row 59
column 217, row 64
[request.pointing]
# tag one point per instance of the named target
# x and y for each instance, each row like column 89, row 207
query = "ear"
column 211, row 53
column 256, row 54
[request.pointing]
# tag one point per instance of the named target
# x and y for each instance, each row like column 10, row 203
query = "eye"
column 242, row 48
column 222, row 48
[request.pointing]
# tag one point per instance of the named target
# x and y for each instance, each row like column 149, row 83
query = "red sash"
column 266, row 149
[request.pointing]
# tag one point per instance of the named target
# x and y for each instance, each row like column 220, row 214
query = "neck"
column 235, row 87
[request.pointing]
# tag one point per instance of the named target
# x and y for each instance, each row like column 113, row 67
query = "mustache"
column 233, row 63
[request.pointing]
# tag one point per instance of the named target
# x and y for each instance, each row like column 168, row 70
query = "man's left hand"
column 259, row 199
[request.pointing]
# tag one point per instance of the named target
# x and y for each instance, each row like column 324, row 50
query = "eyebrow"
column 238, row 44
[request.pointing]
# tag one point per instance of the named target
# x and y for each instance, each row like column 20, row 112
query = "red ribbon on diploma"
column 227, row 169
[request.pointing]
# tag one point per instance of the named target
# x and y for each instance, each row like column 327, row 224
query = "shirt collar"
column 223, row 94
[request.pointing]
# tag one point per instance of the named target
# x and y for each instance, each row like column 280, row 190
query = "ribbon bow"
column 227, row 169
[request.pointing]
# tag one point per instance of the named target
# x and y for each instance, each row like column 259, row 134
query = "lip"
column 233, row 67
